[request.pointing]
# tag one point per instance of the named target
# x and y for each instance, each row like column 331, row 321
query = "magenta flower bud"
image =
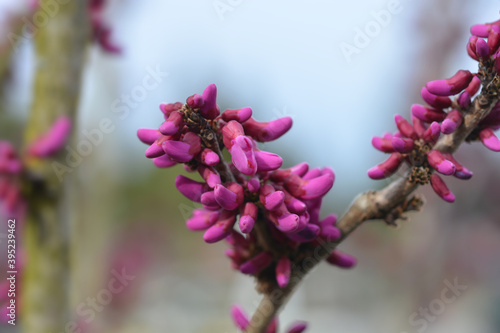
column 257, row 263
column 473, row 86
column 283, row 270
column 164, row 161
column 273, row 200
column 405, row 127
column 243, row 155
column 253, row 185
column 432, row 133
column 494, row 39
column 202, row 220
column 194, row 142
column 441, row 102
column 482, row 49
column 303, row 221
column 177, row 151
column 298, row 327
column 185, row 150
column 208, row 157
column 418, row 126
column 293, row 204
column 300, row 169
column 280, row 175
column 313, row 173
column 341, row 259
column 383, row 144
column 240, row 318
column 173, row 124
column 426, row 114
column 285, row 221
column 195, row 101
column 309, row 233
column 53, row 140
column 489, row 139
column 439, row 186
column 402, row 145
column 221, row 229
column 438, row 162
column 208, row 201
column 328, row 171
column 461, row 172
column 210, row 175
column 210, row 110
column 480, row 30
column 248, row 217
column 267, row 161
column 148, row 136
column 231, row 131
column 191, row 189
column 464, row 99
column 386, row 168
column 471, row 48
column 309, row 189
column 102, row 36
column 330, row 220
column 452, row 121
column 265, row 190
column 154, row 150
column 288, row 222
column 451, row 86
column 168, row 108
column 268, row 131
column 229, row 198
column 330, row 233
column 240, row 115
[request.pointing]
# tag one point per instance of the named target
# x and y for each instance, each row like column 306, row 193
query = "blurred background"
column 341, row 70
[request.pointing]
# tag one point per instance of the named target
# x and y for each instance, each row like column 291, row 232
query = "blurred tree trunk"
column 60, row 44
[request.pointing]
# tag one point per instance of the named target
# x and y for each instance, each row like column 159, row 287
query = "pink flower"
column 100, row 30
column 413, row 144
column 247, row 190
column 53, row 141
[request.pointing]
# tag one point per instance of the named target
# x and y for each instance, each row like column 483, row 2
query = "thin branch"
column 367, row 206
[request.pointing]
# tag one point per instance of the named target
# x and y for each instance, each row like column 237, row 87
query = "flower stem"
column 367, row 206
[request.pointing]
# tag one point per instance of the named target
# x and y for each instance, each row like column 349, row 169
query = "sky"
column 339, row 69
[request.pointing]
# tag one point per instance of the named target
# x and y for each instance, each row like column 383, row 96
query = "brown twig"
column 368, row 206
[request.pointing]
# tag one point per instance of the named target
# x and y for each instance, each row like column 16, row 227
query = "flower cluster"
column 13, row 204
column 101, row 32
column 414, row 143
column 276, row 210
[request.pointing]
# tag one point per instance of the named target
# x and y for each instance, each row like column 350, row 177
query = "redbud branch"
column 368, row 206
column 60, row 49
